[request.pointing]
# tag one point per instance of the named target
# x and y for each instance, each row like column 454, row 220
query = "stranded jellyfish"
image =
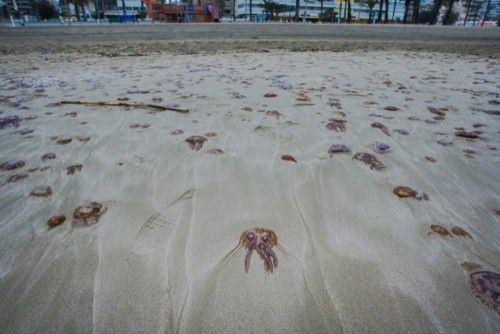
column 64, row 141
column 196, row 142
column 439, row 230
column 369, row 160
column 338, row 125
column 88, row 214
column 12, row 164
column 48, row 156
column 392, row 108
column 460, row 232
column 338, row 148
column 17, row 177
column 382, row 127
column 8, row 121
column 262, row 240
column 56, row 220
column 215, row 151
column 70, row 170
column 177, row 132
column 404, row 191
column 465, row 134
column 41, row 191
column 287, row 157
column 484, row 284
column 381, row 147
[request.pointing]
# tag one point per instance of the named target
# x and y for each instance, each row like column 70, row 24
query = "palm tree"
column 407, row 8
column 416, row 10
column 386, row 18
column 340, row 10
column 448, row 15
column 83, row 12
column 380, row 10
column 436, row 7
column 467, row 12
column 297, row 7
column 394, row 10
column 477, row 8
column 349, row 11
column 77, row 4
column 77, row 11
column 370, row 4
column 487, row 12
column 251, row 19
column 321, row 9
column 273, row 8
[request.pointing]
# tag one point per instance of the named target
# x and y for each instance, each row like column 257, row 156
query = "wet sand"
column 112, row 40
column 353, row 256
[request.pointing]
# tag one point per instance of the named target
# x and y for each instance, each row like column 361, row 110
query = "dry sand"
column 356, row 257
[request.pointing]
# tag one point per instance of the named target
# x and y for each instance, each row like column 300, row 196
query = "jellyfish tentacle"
column 247, row 259
column 281, row 248
column 232, row 251
column 260, row 250
column 269, row 264
column 273, row 256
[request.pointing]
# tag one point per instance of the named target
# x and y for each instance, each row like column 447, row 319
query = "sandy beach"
column 352, row 258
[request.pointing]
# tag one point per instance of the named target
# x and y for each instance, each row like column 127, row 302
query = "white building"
column 131, row 6
column 310, row 9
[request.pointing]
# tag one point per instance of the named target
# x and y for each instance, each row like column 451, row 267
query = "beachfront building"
column 310, row 9
column 491, row 12
column 19, row 8
column 227, row 9
column 131, row 6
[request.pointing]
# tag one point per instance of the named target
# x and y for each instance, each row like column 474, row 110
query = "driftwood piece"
column 125, row 104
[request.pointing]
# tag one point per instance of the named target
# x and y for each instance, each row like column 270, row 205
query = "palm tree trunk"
column 407, row 8
column 340, row 11
column 416, row 10
column 84, row 13
column 386, row 18
column 123, row 7
column 487, row 12
column 349, row 11
column 449, row 12
column 381, row 5
column 345, row 11
column 251, row 19
column 34, row 8
column 475, row 16
column 77, row 12
column 96, row 6
column 394, row 10
column 435, row 10
column 234, row 10
column 320, row 10
column 297, row 8
column 467, row 12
